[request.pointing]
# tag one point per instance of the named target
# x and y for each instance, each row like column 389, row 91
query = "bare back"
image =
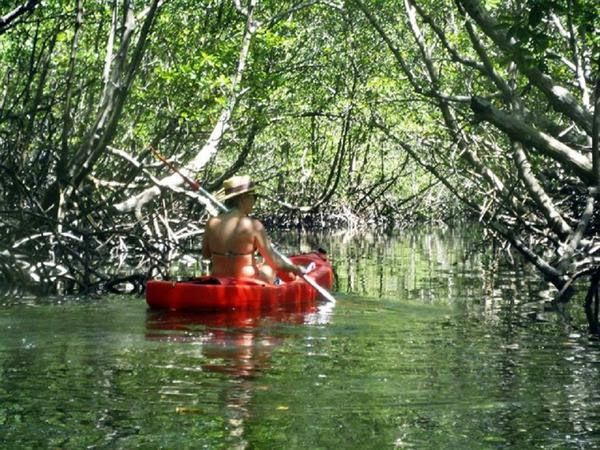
column 231, row 234
column 231, row 240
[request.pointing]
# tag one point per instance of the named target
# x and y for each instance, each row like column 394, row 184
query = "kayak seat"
column 206, row 280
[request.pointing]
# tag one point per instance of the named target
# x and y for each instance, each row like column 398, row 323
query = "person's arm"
column 263, row 245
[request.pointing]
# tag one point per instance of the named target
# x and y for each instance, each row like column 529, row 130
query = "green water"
column 430, row 344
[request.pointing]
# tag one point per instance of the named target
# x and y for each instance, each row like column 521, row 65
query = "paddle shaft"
column 194, row 185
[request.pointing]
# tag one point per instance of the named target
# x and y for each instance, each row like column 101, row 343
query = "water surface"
column 430, row 344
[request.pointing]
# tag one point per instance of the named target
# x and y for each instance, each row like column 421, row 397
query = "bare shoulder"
column 257, row 225
column 212, row 222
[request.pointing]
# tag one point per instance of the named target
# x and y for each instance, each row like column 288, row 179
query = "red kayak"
column 221, row 293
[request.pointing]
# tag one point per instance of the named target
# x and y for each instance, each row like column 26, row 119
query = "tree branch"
column 211, row 145
column 541, row 198
column 8, row 19
column 515, row 127
column 558, row 96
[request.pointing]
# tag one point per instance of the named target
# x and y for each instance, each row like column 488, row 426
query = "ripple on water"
column 424, row 349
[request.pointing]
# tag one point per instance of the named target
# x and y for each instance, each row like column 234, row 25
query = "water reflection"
column 430, row 345
column 234, row 342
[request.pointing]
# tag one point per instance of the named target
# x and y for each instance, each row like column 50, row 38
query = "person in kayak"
column 231, row 239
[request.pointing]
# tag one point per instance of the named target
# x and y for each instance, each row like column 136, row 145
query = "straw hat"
column 237, row 185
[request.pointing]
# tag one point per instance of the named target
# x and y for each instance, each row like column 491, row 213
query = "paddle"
column 196, row 186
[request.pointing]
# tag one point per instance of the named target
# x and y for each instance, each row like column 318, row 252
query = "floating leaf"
column 187, row 410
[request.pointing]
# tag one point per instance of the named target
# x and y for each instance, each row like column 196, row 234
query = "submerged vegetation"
column 356, row 113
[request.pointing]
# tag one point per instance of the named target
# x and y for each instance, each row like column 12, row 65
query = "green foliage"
column 345, row 126
column 530, row 26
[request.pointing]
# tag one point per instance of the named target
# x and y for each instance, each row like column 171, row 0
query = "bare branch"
column 8, row 19
column 517, row 129
column 558, row 96
column 543, row 201
column 211, row 145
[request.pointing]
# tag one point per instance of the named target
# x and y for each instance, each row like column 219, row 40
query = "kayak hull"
column 227, row 293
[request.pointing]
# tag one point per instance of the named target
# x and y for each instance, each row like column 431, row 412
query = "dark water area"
column 433, row 342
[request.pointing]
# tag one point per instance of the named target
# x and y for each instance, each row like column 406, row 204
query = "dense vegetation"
column 356, row 113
